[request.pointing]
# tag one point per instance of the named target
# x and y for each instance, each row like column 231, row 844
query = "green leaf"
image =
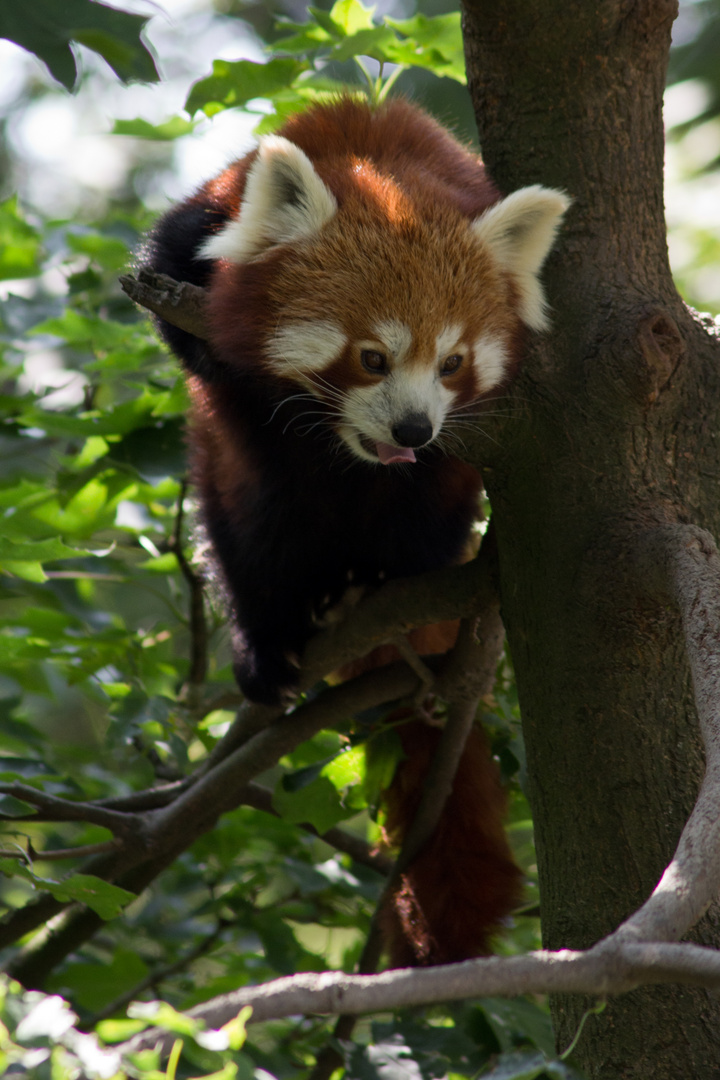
column 433, row 42
column 161, row 564
column 383, row 753
column 350, row 16
column 235, row 1029
column 19, row 242
column 377, row 42
column 174, row 128
column 47, row 28
column 96, row 985
column 110, row 252
column 517, row 1017
column 308, row 37
column 90, row 330
column 347, row 769
column 37, row 551
column 160, row 1014
column 28, row 571
column 318, row 804
column 104, row 898
column 235, row 83
column 11, row 807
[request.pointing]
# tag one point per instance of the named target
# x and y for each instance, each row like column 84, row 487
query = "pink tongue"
column 389, row 454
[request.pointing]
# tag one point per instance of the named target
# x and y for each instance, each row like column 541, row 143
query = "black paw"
column 268, row 681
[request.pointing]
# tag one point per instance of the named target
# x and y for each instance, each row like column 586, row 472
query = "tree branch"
column 177, row 302
column 599, row 972
column 468, row 674
column 53, row 808
column 678, row 564
column 681, row 565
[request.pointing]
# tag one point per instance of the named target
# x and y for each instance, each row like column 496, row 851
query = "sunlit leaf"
column 236, row 82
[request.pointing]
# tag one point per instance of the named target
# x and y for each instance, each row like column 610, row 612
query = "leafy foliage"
column 297, row 73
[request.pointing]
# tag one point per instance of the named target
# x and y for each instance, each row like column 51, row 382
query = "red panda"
column 368, row 287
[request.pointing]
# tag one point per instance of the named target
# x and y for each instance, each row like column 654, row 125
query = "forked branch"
column 680, row 566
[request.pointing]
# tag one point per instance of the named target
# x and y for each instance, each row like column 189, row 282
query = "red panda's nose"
column 415, row 430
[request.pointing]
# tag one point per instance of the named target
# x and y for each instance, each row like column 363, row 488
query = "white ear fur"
column 284, row 199
column 520, row 230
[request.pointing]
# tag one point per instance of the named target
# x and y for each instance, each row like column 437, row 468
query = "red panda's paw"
column 270, row 680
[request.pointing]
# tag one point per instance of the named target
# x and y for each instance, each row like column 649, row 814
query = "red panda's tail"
column 456, row 893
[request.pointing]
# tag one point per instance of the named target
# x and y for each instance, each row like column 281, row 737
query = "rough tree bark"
column 611, row 428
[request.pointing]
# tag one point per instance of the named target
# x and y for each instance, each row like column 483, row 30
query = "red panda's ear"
column 284, row 200
column 520, row 231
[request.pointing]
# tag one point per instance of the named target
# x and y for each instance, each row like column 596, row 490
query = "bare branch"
column 177, row 302
column 216, row 791
column 600, row 972
column 52, row 808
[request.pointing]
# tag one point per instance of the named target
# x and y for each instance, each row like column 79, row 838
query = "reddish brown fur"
column 398, row 248
column 464, row 882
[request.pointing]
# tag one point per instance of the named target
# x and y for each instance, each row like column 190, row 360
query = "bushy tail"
column 461, row 886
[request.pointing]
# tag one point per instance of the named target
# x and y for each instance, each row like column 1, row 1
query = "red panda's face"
column 395, row 310
column 398, row 325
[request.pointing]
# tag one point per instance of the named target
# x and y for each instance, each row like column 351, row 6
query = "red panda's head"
column 378, row 296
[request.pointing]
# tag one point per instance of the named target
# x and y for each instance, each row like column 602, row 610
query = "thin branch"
column 599, row 972
column 216, row 791
column 359, row 850
column 154, row 978
column 58, row 854
column 52, row 808
column 195, row 582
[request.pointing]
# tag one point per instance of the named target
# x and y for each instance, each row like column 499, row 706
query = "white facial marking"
column 396, row 336
column 371, row 411
column 491, row 361
column 448, row 341
column 305, row 347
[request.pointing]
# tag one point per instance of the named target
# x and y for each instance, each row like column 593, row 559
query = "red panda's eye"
column 451, row 364
column 376, row 362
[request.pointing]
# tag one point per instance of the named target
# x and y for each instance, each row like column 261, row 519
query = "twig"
column 198, row 625
column 52, row 808
column 154, row 978
column 359, row 850
column 82, row 852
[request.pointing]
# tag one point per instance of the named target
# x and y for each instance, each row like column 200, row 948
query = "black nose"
column 415, row 430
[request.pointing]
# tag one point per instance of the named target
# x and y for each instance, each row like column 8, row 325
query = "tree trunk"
column 611, row 427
